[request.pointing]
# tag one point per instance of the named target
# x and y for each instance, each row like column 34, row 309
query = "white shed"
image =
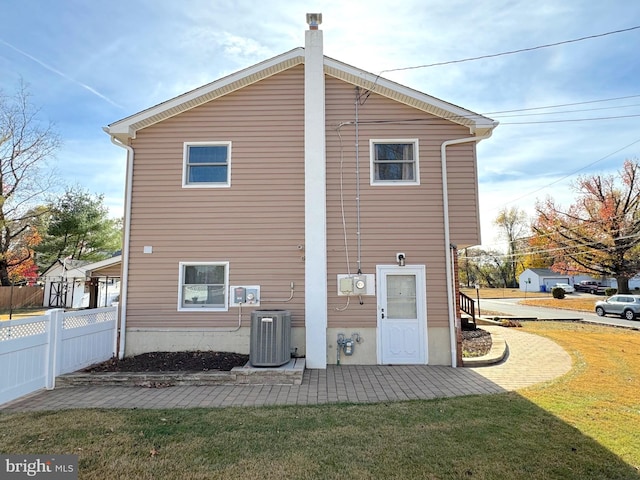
column 540, row 279
column 78, row 284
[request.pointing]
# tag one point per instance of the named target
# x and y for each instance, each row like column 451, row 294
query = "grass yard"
column 502, row 293
column 19, row 313
column 583, row 425
column 582, row 304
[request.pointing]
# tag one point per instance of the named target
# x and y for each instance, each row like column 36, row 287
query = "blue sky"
column 89, row 63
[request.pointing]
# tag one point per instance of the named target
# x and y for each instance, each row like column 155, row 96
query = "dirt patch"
column 173, row 362
column 475, row 343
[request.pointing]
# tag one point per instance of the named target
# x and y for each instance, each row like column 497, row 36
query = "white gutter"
column 447, row 239
column 124, row 281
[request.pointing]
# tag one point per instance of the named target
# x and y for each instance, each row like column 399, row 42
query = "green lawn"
column 582, row 426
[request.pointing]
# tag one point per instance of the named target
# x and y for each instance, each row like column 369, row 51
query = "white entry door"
column 402, row 315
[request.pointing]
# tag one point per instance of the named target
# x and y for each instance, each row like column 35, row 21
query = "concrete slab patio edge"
column 496, row 354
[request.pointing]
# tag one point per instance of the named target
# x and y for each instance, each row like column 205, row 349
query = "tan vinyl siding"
column 406, row 218
column 257, row 225
column 464, row 216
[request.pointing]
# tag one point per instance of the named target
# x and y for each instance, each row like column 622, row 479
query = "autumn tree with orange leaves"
column 600, row 233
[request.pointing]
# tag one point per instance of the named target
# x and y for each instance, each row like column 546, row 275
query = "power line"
column 563, row 105
column 564, row 111
column 572, row 173
column 512, row 52
column 549, row 250
column 617, row 117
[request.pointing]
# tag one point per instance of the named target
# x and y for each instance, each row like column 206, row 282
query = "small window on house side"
column 207, row 164
column 394, row 162
column 203, row 286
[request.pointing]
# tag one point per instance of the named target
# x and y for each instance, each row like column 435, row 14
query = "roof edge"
column 478, row 124
column 128, row 126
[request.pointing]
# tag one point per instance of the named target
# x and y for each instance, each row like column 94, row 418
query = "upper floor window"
column 394, row 162
column 207, row 164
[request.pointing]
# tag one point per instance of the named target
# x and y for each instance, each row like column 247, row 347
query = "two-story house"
column 316, row 187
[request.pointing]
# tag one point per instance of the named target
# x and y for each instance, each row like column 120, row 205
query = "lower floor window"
column 203, row 285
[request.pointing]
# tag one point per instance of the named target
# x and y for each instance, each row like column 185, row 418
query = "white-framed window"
column 394, row 162
column 207, row 164
column 203, row 286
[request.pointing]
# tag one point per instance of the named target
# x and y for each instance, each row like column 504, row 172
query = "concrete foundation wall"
column 364, row 353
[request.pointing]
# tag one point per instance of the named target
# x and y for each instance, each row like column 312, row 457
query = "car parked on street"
column 627, row 306
column 565, row 286
column 590, row 286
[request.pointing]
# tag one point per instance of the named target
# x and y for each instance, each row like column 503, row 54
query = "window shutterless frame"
column 206, row 165
column 203, row 287
column 394, row 162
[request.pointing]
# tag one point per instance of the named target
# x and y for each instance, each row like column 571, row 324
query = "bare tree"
column 513, row 226
column 25, row 147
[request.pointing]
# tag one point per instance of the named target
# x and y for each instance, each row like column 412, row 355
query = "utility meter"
column 360, row 285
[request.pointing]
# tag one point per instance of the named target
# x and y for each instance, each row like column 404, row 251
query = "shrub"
column 510, row 323
column 610, row 291
column 557, row 292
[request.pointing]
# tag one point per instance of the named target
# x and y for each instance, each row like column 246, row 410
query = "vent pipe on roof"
column 313, row 20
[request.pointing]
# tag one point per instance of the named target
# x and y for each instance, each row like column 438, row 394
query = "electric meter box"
column 363, row 284
column 244, row 295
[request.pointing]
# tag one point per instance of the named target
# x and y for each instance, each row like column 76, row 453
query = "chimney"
column 315, row 192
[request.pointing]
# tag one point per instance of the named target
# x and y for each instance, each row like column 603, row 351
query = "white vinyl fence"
column 34, row 351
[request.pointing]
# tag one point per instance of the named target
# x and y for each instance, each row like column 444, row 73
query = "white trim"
column 185, row 169
column 477, row 123
column 127, row 127
column 225, row 288
column 447, row 240
column 420, row 271
column 416, row 161
column 315, row 208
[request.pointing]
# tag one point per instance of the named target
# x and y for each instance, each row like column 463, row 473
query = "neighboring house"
column 541, row 279
column 534, row 279
column 80, row 284
column 318, row 187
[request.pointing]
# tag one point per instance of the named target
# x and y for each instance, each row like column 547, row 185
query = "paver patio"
column 531, row 359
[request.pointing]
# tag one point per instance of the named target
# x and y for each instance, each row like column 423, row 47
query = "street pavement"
column 509, row 306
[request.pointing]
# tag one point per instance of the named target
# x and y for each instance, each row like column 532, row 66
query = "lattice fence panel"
column 9, row 332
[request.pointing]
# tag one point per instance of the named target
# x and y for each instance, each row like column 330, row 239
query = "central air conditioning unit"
column 270, row 344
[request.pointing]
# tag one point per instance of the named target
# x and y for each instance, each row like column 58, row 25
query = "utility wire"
column 572, row 173
column 549, row 250
column 563, row 111
column 563, row 105
column 512, row 52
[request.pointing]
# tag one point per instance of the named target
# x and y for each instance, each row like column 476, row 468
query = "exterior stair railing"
column 468, row 306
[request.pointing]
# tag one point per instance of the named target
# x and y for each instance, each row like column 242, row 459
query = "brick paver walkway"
column 532, row 359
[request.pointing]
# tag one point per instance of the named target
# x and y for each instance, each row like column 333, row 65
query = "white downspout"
column 447, row 239
column 124, row 281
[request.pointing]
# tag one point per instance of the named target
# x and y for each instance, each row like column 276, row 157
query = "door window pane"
column 401, row 297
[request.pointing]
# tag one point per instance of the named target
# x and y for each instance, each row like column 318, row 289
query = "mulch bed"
column 172, row 362
column 475, row 343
